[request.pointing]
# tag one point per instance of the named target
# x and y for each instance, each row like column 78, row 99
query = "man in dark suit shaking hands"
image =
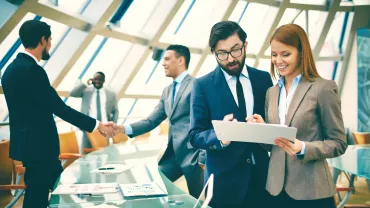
column 231, row 92
column 31, row 102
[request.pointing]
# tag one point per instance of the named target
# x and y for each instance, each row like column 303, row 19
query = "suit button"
column 248, row 161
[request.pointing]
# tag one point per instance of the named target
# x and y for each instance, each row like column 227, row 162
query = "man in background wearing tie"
column 231, row 92
column 98, row 102
column 180, row 158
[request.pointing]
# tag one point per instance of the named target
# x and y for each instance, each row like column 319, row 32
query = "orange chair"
column 164, row 128
column 361, row 137
column 69, row 150
column 97, row 141
column 120, row 138
column 6, row 175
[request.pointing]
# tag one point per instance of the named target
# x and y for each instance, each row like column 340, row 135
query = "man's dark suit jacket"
column 32, row 101
column 212, row 100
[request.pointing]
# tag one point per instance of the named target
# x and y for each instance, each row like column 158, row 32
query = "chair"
column 6, row 174
column 69, row 150
column 164, row 128
column 361, row 137
column 97, row 141
column 120, row 138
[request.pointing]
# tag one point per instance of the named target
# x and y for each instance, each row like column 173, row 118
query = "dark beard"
column 233, row 72
column 45, row 55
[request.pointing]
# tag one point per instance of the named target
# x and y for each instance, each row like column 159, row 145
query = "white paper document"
column 112, row 169
column 142, row 189
column 90, row 188
column 252, row 132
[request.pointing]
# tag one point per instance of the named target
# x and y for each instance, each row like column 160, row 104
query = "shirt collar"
column 244, row 73
column 181, row 77
column 34, row 58
column 295, row 80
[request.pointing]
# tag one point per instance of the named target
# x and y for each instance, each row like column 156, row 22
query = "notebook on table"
column 142, row 189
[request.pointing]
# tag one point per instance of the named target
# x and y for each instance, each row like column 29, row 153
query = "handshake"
column 110, row 129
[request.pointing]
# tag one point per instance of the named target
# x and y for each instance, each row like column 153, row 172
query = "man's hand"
column 288, row 146
column 89, row 81
column 229, row 117
column 255, row 119
column 106, row 130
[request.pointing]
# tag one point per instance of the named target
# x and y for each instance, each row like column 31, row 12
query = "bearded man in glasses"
column 231, row 92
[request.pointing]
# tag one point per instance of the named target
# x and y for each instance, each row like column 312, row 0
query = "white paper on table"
column 142, row 189
column 107, row 169
column 89, row 188
column 252, row 132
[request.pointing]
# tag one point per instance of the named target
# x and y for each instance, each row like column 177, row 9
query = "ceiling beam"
column 325, row 30
column 154, row 41
column 91, row 35
column 14, row 20
column 274, row 25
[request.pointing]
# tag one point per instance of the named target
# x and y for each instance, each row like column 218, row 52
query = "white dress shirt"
column 26, row 52
column 93, row 112
column 247, row 91
column 285, row 100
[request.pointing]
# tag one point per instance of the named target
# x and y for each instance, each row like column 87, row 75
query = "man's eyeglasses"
column 222, row 56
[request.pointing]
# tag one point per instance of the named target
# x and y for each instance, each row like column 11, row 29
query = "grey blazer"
column 111, row 106
column 179, row 119
column 315, row 111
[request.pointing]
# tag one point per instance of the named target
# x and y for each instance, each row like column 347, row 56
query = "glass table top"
column 356, row 160
column 142, row 158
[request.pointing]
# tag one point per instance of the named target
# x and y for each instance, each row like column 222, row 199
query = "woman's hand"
column 288, row 146
column 255, row 119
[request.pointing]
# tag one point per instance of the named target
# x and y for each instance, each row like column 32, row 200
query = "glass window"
column 256, row 22
column 311, row 2
column 109, row 59
column 195, row 28
column 288, row 16
column 74, row 103
column 145, row 21
column 141, row 109
column 58, row 31
column 238, row 11
column 12, row 37
column 130, row 61
column 3, row 107
column 208, row 65
column 74, row 7
column 325, row 69
column 331, row 44
column 70, row 79
column 316, row 21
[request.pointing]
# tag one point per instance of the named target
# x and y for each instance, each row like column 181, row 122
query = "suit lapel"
column 224, row 92
column 182, row 88
column 298, row 96
column 274, row 102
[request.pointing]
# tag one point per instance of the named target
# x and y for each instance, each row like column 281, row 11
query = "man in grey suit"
column 98, row 101
column 180, row 158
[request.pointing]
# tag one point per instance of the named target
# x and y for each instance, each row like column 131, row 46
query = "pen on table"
column 106, row 169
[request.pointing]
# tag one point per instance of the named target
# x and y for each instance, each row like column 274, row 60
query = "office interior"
column 125, row 39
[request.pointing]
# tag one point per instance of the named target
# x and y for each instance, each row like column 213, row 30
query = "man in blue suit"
column 232, row 91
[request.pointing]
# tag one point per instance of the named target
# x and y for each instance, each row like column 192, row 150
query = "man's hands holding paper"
column 288, row 146
column 229, row 117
